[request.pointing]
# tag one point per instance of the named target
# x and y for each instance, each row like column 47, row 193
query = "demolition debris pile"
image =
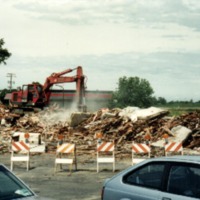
column 123, row 126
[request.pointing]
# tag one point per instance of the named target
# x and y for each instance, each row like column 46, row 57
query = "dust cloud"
column 56, row 113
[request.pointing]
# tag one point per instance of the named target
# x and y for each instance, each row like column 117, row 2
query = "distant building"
column 94, row 99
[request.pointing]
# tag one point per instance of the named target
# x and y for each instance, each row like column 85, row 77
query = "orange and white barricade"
column 66, row 154
column 173, row 147
column 105, row 153
column 34, row 140
column 20, row 152
column 139, row 148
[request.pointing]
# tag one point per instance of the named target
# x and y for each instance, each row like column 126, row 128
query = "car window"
column 184, row 180
column 148, row 176
column 11, row 187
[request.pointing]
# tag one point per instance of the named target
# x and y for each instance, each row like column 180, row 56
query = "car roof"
column 193, row 159
column 179, row 158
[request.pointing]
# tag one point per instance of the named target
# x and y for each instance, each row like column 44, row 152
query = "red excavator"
column 36, row 95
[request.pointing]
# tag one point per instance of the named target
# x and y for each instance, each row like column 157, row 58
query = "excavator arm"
column 57, row 78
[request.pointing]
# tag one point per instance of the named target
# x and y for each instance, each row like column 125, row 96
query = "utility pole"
column 10, row 81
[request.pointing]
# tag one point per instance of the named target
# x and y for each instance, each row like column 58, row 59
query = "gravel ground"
column 83, row 184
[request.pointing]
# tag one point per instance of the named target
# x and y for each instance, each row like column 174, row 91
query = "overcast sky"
column 158, row 40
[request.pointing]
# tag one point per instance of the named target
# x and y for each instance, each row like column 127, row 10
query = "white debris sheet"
column 135, row 113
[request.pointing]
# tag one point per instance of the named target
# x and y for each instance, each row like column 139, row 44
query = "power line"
column 10, row 81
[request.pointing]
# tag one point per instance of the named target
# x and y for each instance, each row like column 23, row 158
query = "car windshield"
column 11, row 187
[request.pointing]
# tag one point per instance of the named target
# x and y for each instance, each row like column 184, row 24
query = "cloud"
column 74, row 12
column 99, row 27
column 154, row 13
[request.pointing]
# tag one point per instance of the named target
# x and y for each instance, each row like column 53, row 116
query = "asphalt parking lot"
column 83, row 184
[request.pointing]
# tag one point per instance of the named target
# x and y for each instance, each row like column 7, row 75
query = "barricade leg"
column 28, row 165
column 113, row 166
column 97, row 167
column 55, row 168
column 11, row 166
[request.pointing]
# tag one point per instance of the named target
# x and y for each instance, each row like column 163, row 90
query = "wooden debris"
column 113, row 127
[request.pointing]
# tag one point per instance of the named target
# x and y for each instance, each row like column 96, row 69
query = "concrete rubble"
column 123, row 126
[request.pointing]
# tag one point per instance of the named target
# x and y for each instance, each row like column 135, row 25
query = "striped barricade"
column 139, row 148
column 34, row 140
column 105, row 153
column 20, row 152
column 173, row 147
column 66, row 154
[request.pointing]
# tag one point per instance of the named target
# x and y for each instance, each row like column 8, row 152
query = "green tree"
column 161, row 101
column 132, row 91
column 4, row 53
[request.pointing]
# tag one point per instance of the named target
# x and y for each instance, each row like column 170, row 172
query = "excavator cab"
column 31, row 95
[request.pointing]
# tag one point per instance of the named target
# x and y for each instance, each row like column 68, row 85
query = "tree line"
column 135, row 91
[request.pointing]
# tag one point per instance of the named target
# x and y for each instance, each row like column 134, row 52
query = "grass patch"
column 177, row 111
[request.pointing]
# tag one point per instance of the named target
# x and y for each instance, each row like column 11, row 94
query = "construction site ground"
column 83, row 184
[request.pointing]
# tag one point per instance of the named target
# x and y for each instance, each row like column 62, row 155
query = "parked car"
column 164, row 178
column 12, row 188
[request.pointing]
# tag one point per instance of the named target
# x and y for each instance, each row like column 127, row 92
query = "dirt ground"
column 83, row 184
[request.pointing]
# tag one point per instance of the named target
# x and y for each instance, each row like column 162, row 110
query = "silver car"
column 165, row 178
column 12, row 188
